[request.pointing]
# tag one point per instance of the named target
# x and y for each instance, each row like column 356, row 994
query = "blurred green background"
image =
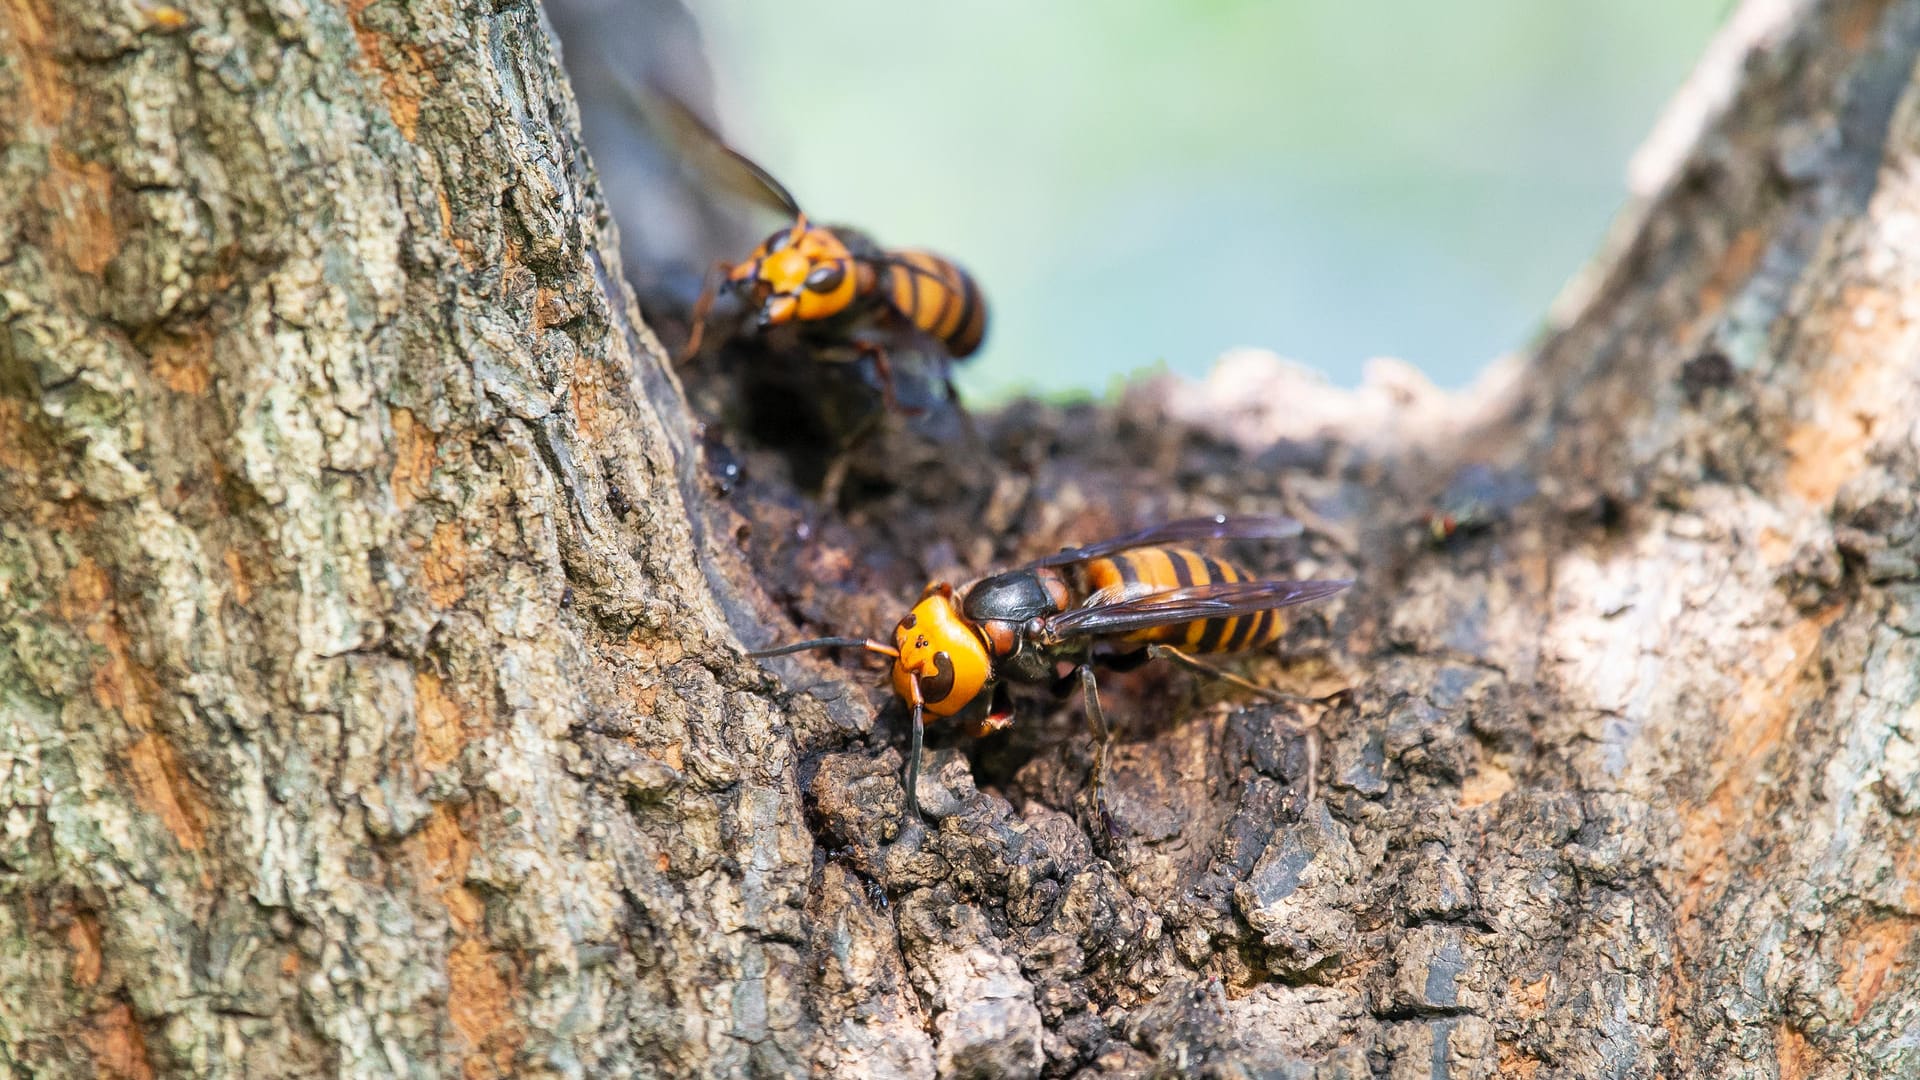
column 1143, row 183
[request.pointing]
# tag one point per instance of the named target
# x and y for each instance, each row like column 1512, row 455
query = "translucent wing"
column 1175, row 606
column 1184, row 531
column 702, row 148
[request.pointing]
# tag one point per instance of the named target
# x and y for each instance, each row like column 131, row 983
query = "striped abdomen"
column 1144, row 571
column 939, row 298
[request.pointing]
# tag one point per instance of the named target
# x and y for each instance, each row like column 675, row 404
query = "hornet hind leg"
column 1308, row 729
column 836, row 475
column 1102, row 740
column 709, row 288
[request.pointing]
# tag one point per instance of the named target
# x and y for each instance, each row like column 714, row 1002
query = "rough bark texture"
column 370, row 620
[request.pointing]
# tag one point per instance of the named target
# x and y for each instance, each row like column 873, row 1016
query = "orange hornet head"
column 802, row 273
column 943, row 651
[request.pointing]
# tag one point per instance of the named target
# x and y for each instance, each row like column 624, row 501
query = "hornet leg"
column 709, row 286
column 967, row 426
column 883, row 368
column 999, row 716
column 836, row 474
column 1102, row 739
column 913, row 755
column 1192, row 663
column 1308, row 729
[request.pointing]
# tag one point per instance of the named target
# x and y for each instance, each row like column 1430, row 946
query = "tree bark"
column 371, row 615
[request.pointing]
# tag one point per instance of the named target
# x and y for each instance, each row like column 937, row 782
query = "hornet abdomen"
column 1148, row 570
column 938, row 297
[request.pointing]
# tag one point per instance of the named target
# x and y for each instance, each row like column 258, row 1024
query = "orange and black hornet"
column 833, row 284
column 1119, row 602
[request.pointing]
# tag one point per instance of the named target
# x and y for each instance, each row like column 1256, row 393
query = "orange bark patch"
column 162, row 787
column 480, row 987
column 1794, row 1055
column 674, row 757
column 77, row 197
column 1529, row 998
column 183, row 362
column 118, row 1046
column 440, row 729
column 1703, row 852
column 83, row 937
column 1856, row 24
column 547, row 308
column 405, row 77
column 1675, row 1014
column 85, row 596
column 1867, row 955
column 1775, row 547
column 1515, row 1062
column 1756, row 721
column 242, row 578
column 441, row 854
column 480, row 1004
column 444, row 850
column 1487, row 784
column 1735, row 267
column 1906, row 873
column 413, row 458
column 167, row 18
column 445, row 567
column 45, row 85
column 586, row 392
column 461, row 245
column 464, row 909
column 159, row 781
column 14, row 459
column 1845, row 400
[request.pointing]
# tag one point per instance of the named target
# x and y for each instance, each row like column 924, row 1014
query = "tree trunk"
column 371, row 616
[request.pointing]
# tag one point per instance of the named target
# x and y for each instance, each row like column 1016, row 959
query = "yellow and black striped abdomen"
column 1144, row 571
column 939, row 298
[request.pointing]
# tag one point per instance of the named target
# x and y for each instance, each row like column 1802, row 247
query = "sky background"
column 1139, row 184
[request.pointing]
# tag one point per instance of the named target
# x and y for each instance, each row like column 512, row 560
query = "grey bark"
column 370, row 627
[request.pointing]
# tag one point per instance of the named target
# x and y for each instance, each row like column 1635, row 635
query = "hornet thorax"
column 1007, row 609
